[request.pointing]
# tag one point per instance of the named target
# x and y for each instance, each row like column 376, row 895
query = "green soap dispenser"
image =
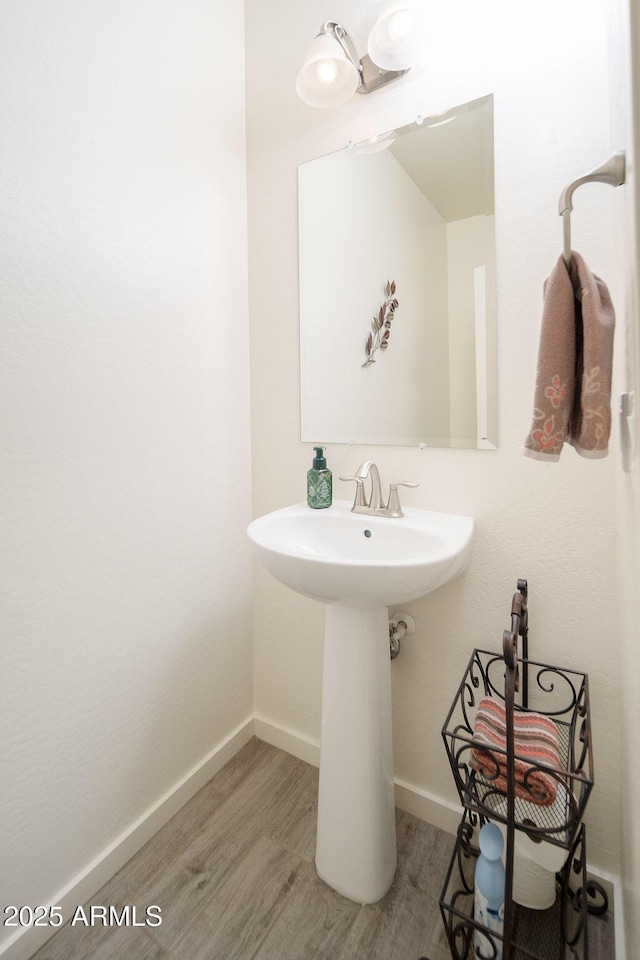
column 319, row 482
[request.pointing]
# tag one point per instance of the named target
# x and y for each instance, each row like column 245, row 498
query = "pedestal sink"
column 358, row 565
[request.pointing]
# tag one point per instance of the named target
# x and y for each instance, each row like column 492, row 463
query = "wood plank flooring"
column 233, row 874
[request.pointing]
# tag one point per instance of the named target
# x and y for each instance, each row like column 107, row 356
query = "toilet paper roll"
column 533, row 886
column 544, row 854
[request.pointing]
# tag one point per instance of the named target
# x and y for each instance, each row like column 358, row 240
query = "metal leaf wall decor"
column 378, row 339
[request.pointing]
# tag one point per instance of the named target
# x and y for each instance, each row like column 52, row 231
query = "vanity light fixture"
column 394, row 41
column 332, row 71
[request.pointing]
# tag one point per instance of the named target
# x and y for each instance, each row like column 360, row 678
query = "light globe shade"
column 394, row 42
column 328, row 78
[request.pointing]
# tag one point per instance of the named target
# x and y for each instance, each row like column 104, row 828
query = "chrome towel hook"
column 612, row 172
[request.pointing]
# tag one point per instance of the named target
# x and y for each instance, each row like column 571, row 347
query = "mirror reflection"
column 397, row 286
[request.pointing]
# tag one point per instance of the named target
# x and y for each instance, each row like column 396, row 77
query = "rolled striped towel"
column 535, row 740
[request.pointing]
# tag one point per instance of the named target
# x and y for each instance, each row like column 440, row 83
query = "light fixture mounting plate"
column 373, row 77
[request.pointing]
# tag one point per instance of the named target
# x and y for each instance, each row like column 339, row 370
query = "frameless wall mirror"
column 397, row 286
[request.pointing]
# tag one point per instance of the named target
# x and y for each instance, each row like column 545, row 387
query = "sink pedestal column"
column 356, row 841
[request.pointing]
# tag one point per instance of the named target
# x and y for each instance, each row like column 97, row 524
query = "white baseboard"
column 619, row 929
column 426, row 806
column 408, row 797
column 288, row 740
column 83, row 886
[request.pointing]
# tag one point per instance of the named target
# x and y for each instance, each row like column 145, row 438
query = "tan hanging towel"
column 573, row 384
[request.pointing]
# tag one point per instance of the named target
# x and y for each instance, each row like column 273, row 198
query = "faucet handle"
column 393, row 507
column 359, row 500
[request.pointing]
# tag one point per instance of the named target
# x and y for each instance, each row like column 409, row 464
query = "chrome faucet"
column 374, row 505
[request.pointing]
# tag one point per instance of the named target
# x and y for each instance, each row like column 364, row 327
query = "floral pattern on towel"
column 547, row 438
column 590, row 384
column 556, row 391
column 591, row 427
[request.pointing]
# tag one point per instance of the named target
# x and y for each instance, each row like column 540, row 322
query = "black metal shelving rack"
column 560, row 932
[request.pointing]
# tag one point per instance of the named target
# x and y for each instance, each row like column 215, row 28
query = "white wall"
column 554, row 524
column 625, row 64
column 126, row 655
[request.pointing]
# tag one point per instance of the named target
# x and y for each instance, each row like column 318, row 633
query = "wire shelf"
column 556, row 693
column 518, row 739
column 554, row 934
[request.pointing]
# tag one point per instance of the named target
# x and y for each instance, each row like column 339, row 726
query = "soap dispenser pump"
column 319, row 482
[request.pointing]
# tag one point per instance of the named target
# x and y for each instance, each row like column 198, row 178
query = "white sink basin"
column 335, row 554
column 358, row 565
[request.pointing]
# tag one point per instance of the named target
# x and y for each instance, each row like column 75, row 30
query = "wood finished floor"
column 233, row 874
